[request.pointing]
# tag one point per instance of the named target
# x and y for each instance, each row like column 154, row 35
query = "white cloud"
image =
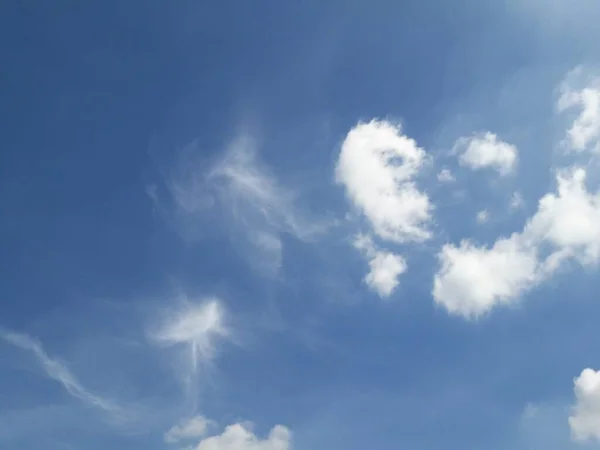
column 569, row 219
column 445, row 176
column 516, row 201
column 196, row 328
column 385, row 267
column 59, row 372
column 486, row 151
column 482, row 216
column 585, row 418
column 243, row 182
column 584, row 133
column 377, row 166
column 259, row 207
column 240, row 437
column 472, row 280
column 193, row 428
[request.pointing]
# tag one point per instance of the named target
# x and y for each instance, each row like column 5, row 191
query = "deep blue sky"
column 105, row 102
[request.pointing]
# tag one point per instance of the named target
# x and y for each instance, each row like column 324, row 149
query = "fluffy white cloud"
column 486, row 151
column 585, row 418
column 193, row 428
column 240, row 437
column 482, row 216
column 472, row 280
column 584, row 133
column 377, row 165
column 569, row 219
column 445, row 176
column 385, row 267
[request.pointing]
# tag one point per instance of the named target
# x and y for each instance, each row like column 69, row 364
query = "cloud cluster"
column 377, row 166
column 473, row 279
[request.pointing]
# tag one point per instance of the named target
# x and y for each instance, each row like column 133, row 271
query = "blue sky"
column 299, row 225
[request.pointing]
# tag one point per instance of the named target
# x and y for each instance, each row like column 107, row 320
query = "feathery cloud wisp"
column 59, row 372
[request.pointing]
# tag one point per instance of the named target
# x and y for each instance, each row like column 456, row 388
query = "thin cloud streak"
column 58, row 371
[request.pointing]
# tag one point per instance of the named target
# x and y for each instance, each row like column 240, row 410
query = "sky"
column 310, row 225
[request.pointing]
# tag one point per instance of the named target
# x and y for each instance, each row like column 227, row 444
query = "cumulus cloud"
column 240, row 437
column 568, row 220
column 377, row 165
column 193, row 428
column 59, row 372
column 585, row 418
column 445, row 176
column 474, row 279
column 486, row 150
column 385, row 267
column 584, row 132
column 196, row 329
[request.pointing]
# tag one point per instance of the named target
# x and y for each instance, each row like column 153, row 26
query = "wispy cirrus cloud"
column 246, row 194
column 58, row 371
column 194, row 329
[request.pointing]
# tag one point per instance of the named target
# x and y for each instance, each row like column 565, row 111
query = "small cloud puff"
column 516, row 201
column 482, row 216
column 472, row 280
column 445, row 176
column 486, row 150
column 385, row 267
